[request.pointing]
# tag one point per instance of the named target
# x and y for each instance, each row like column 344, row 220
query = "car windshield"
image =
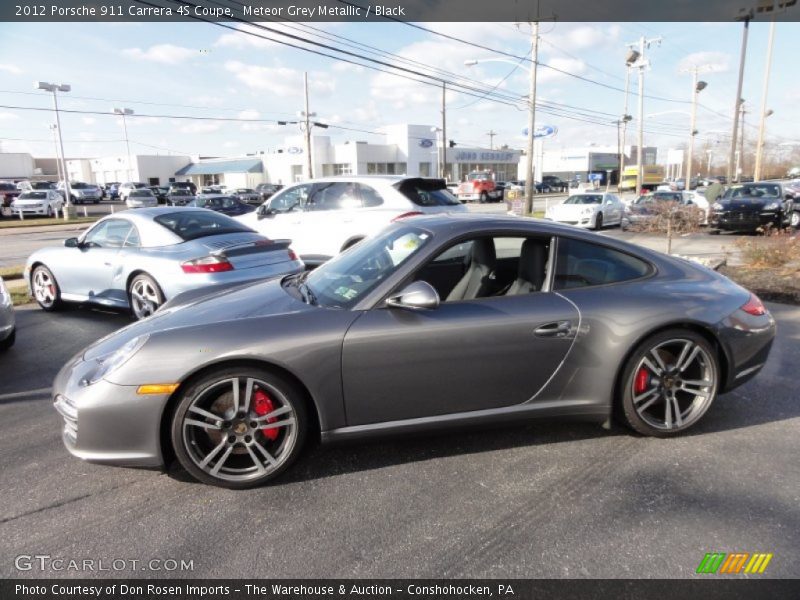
column 79, row 186
column 351, row 275
column 33, row 196
column 7, row 186
column 193, row 224
column 142, row 193
column 757, row 190
column 180, row 192
column 584, row 199
column 667, row 197
column 41, row 186
column 477, row 176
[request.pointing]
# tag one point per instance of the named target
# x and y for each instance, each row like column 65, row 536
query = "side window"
column 369, row 197
column 339, row 195
column 109, row 234
column 583, row 264
column 132, row 241
column 485, row 267
column 293, row 199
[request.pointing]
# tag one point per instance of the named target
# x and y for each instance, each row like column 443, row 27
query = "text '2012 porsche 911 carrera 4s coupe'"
column 438, row 321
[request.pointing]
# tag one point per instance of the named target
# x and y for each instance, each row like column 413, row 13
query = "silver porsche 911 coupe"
column 140, row 259
column 436, row 322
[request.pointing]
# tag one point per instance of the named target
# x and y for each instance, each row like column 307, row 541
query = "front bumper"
column 744, row 220
column 108, row 423
column 29, row 210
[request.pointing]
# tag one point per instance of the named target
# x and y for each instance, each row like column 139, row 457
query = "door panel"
column 462, row 356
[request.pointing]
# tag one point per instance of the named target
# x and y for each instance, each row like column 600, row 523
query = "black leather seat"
column 479, row 277
column 531, row 269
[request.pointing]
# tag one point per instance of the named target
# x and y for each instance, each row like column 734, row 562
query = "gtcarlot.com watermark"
column 56, row 564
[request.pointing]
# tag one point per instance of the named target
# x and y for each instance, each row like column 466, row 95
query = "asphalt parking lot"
column 543, row 500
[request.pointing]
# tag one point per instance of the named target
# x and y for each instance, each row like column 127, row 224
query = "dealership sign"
column 542, row 131
column 485, row 156
column 425, row 143
column 294, row 150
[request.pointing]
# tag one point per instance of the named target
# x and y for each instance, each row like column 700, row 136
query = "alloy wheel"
column 673, row 384
column 795, row 219
column 145, row 298
column 44, row 288
column 239, row 429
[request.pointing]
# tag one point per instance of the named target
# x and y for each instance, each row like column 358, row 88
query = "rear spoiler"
column 244, row 247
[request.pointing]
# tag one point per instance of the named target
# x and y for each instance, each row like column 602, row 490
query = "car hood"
column 572, row 210
column 207, row 307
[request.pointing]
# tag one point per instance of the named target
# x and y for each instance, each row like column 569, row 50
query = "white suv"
column 323, row 217
column 126, row 188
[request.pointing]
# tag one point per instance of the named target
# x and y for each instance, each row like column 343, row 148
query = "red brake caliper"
column 263, row 405
column 642, row 381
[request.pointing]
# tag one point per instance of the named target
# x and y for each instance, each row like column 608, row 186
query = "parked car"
column 751, row 207
column 246, row 195
column 141, row 198
column 793, row 188
column 8, row 332
column 391, row 337
column 227, row 205
column 187, row 185
column 266, row 190
column 555, row 184
column 697, row 198
column 46, row 203
column 211, row 190
column 323, row 217
column 647, row 207
column 180, row 196
column 80, row 192
column 8, row 191
column 590, row 210
column 126, row 188
column 43, row 185
column 140, row 259
column 160, row 192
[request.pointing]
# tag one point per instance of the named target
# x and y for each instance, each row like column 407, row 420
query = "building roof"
column 240, row 165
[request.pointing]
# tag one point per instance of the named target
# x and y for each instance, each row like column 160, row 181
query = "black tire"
column 46, row 290
column 144, row 296
column 50, row 212
column 598, row 221
column 191, row 443
column 9, row 341
column 713, row 231
column 484, row 198
column 660, row 390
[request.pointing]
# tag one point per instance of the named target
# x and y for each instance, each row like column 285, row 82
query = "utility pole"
column 637, row 59
column 125, row 112
column 740, row 170
column 491, row 133
column 764, row 111
column 443, row 164
column 54, row 88
column 625, row 118
column 53, row 127
column 531, row 117
column 307, row 117
column 736, row 106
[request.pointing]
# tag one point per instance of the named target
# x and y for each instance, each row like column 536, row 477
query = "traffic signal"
column 452, row 144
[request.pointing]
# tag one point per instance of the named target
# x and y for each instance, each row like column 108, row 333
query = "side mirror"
column 419, row 295
column 71, row 242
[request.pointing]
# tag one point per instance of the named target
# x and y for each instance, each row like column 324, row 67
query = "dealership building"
column 580, row 163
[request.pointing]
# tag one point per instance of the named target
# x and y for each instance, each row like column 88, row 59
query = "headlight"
column 717, row 206
column 110, row 362
column 772, row 206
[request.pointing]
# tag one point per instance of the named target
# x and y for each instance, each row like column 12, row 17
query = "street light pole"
column 764, row 111
column 626, row 118
column 637, row 59
column 697, row 87
column 307, row 115
column 53, row 128
column 531, row 118
column 443, row 164
column 54, row 88
column 740, row 170
column 123, row 112
column 737, row 104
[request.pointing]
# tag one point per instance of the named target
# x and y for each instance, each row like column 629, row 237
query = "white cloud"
column 230, row 144
column 88, row 120
column 561, row 66
column 200, row 127
column 717, row 62
column 7, row 116
column 162, row 53
column 13, row 69
column 344, row 67
column 280, row 81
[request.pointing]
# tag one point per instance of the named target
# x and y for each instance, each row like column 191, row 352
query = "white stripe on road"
column 39, row 392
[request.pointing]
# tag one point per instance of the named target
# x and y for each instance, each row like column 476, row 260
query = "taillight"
column 292, row 255
column 209, row 264
column 754, row 306
column 406, row 215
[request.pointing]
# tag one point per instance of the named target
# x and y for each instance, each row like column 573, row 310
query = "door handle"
column 555, row 329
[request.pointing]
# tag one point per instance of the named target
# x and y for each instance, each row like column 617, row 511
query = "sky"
column 164, row 71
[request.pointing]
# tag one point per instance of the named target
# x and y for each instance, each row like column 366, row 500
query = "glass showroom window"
column 331, row 169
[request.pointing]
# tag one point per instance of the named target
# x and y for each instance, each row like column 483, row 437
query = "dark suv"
column 556, row 184
column 752, row 206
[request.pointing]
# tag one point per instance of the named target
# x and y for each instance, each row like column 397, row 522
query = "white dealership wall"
column 16, row 165
column 143, row 167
